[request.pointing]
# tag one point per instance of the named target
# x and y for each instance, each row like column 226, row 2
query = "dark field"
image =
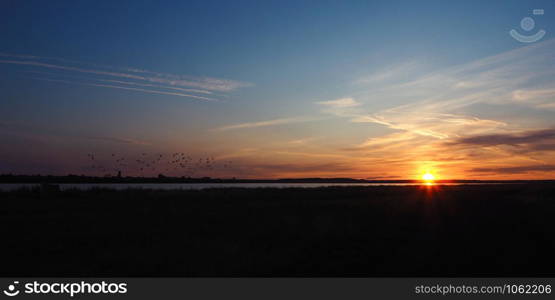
column 480, row 230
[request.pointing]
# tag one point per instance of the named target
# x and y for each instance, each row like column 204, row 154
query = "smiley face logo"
column 11, row 292
column 527, row 24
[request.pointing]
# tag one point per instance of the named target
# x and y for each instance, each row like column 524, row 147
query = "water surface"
column 200, row 186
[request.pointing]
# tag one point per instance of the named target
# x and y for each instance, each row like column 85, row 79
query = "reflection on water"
column 200, row 186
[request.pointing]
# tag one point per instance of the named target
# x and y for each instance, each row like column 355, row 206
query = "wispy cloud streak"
column 132, row 76
column 340, row 103
column 273, row 122
column 128, row 88
column 528, row 137
column 516, row 170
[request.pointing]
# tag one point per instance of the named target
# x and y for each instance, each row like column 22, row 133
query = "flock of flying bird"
column 176, row 164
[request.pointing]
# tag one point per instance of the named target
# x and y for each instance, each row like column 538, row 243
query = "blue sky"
column 241, row 80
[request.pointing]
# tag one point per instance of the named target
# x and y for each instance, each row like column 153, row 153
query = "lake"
column 200, row 186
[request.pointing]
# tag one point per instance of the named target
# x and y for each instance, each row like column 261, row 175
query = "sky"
column 278, row 89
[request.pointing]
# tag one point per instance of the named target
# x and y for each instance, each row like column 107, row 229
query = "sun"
column 428, row 177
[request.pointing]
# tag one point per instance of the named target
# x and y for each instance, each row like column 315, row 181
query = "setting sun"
column 428, row 177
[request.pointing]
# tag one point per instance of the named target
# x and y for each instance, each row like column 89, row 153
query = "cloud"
column 303, row 141
column 309, row 154
column 396, row 141
column 300, row 168
column 527, row 95
column 129, row 88
column 157, row 86
column 543, row 147
column 340, row 103
column 44, row 133
column 119, row 140
column 513, row 139
column 437, row 125
column 273, row 122
column 394, row 73
column 132, row 83
column 389, row 177
column 516, row 170
column 132, row 76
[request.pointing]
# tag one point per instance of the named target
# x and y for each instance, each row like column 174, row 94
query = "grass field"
column 474, row 230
